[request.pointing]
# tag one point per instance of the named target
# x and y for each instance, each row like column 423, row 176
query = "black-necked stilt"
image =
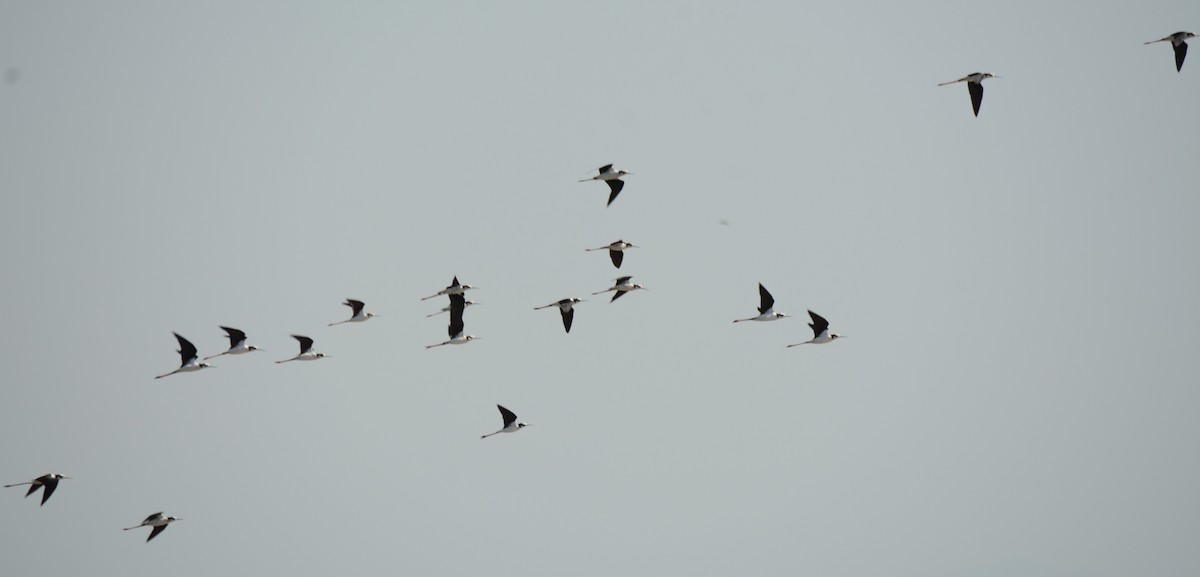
column 446, row 309
column 1178, row 42
column 47, row 483
column 510, row 423
column 565, row 307
column 237, row 343
column 821, row 334
column 306, row 352
column 356, row 313
column 612, row 178
column 455, row 330
column 622, row 286
column 616, row 251
column 453, row 289
column 974, row 82
column 190, row 358
column 158, row 522
column 766, row 303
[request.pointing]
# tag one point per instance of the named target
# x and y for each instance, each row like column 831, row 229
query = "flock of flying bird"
column 191, row 361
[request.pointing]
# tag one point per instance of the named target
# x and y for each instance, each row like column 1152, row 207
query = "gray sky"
column 1017, row 394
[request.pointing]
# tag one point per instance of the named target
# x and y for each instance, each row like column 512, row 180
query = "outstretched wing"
column 568, row 316
column 305, row 343
column 508, row 416
column 617, row 256
column 976, row 90
column 615, row 186
column 766, row 301
column 236, row 337
column 458, row 303
column 355, row 306
column 155, row 531
column 1180, row 54
column 187, row 351
column 605, row 168
column 153, row 517
column 50, row 485
column 819, row 324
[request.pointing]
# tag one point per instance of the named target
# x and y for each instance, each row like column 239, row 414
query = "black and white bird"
column 458, row 304
column 356, row 313
column 306, row 352
column 158, row 522
column 622, row 286
column 612, row 178
column 190, row 358
column 237, row 343
column 821, row 334
column 453, row 289
column 510, row 423
column 446, row 308
column 765, row 307
column 616, row 251
column 566, row 307
column 1178, row 42
column 974, row 82
column 47, row 483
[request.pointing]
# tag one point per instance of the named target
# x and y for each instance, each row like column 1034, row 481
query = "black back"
column 818, row 324
column 616, row 255
column 765, row 299
column 355, row 306
column 235, row 336
column 605, row 168
column 976, row 90
column 509, row 416
column 305, row 343
column 187, row 351
column 616, row 186
column 1180, row 54
column 458, row 303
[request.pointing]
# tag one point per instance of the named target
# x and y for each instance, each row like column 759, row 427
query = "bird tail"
column 19, row 484
column 337, row 323
column 215, row 356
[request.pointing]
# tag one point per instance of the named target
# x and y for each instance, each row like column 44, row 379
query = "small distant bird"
column 453, row 289
column 306, row 352
column 458, row 304
column 974, row 82
column 622, row 286
column 510, row 423
column 446, row 309
column 158, row 522
column 47, row 483
column 564, row 307
column 1178, row 43
column 616, row 251
column 356, row 313
column 191, row 360
column 237, row 343
column 821, row 334
column 766, row 304
column 612, row 178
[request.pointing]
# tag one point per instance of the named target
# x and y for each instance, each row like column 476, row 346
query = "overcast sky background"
column 1017, row 394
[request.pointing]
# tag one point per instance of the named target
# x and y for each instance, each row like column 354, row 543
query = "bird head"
column 369, row 315
column 471, row 337
column 205, row 366
column 781, row 315
column 522, row 425
column 622, row 173
column 253, row 348
column 834, row 336
column 171, row 519
column 58, row 476
column 321, row 355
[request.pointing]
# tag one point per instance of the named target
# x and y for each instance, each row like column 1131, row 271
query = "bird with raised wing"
column 356, row 313
column 453, row 289
column 237, row 344
column 821, row 334
column 190, row 359
column 306, row 352
column 766, row 306
column 510, row 423
column 455, row 329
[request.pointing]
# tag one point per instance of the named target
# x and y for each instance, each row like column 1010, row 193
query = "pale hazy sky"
column 1017, row 396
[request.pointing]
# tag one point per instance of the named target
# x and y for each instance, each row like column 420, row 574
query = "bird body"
column 974, row 82
column 189, row 357
column 306, row 352
column 357, row 315
column 616, row 251
column 766, row 306
column 622, row 286
column 157, row 521
column 454, row 289
column 612, row 178
column 237, row 344
column 446, row 309
column 1178, row 42
column 821, row 334
column 566, row 307
column 510, row 423
column 47, row 483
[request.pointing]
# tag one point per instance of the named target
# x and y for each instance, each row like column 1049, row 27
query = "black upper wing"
column 50, row 485
column 616, row 186
column 155, row 531
column 235, row 336
column 605, row 168
column 765, row 299
column 568, row 316
column 818, row 324
column 305, row 343
column 187, row 351
column 355, row 306
column 509, row 416
column 1180, row 54
column 617, row 256
column 976, row 90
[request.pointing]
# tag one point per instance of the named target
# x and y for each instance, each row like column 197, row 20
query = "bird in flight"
column 158, row 522
column 458, row 303
column 612, row 178
column 189, row 357
column 974, row 82
column 765, row 308
column 47, row 483
column 821, row 334
column 510, row 423
column 356, row 313
column 237, row 343
column 1178, row 42
column 566, row 307
column 622, row 286
column 306, row 352
column 616, row 251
